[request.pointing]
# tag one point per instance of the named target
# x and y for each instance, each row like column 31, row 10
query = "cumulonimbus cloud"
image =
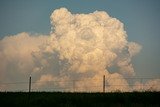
column 80, row 47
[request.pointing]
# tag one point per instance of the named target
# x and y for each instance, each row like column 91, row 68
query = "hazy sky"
column 140, row 18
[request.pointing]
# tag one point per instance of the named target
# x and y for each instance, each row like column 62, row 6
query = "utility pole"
column 104, row 83
column 30, row 84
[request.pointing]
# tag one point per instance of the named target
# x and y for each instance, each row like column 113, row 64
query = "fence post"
column 30, row 84
column 104, row 83
column 142, row 84
column 73, row 85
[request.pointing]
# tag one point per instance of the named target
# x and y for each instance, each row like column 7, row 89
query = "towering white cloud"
column 91, row 43
column 80, row 48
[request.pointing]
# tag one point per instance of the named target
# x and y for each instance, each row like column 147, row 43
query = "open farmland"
column 60, row 99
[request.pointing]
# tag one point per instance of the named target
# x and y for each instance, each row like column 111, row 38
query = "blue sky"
column 140, row 17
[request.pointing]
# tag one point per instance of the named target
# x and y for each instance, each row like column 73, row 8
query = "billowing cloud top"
column 91, row 42
column 80, row 46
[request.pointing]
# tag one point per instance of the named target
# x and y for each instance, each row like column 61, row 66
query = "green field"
column 59, row 99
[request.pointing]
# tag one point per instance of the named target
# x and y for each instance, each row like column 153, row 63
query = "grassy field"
column 58, row 99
